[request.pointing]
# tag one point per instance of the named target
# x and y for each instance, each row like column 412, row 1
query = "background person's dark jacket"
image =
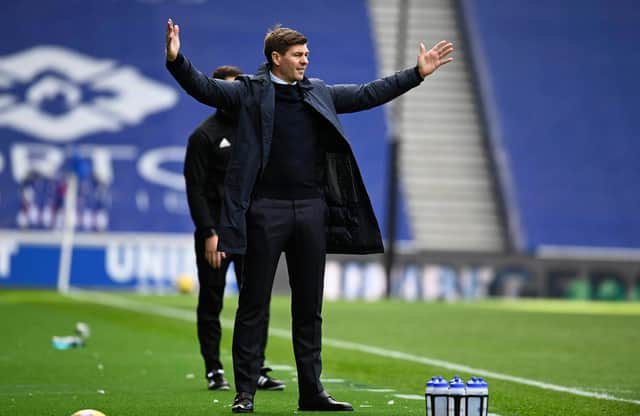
column 352, row 225
column 205, row 165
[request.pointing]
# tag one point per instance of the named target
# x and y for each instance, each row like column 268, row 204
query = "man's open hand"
column 429, row 61
column 173, row 41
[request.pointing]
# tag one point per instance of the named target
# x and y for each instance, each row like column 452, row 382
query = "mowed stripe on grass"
column 177, row 313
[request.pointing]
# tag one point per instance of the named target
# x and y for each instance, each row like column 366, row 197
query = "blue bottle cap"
column 474, row 383
column 440, row 382
column 456, row 383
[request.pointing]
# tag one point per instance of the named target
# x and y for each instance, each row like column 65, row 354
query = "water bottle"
column 474, row 397
column 428, row 395
column 485, row 397
column 477, row 397
column 457, row 397
column 65, row 343
column 439, row 400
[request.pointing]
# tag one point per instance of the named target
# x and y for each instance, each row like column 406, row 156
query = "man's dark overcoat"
column 352, row 227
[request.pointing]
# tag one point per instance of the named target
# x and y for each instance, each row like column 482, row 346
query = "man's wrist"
column 207, row 232
column 176, row 61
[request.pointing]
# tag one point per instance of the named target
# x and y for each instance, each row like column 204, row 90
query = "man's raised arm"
column 351, row 98
column 209, row 91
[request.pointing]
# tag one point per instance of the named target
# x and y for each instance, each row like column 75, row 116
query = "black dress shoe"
column 323, row 402
column 243, row 403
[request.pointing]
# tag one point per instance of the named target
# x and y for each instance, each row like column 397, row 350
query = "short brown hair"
column 226, row 71
column 280, row 39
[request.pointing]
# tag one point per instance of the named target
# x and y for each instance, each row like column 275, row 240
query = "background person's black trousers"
column 296, row 227
column 210, row 302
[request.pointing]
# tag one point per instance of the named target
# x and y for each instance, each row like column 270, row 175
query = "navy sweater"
column 295, row 166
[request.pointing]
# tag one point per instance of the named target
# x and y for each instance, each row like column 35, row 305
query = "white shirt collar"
column 279, row 80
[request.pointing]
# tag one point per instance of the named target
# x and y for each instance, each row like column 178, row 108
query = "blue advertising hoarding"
column 84, row 90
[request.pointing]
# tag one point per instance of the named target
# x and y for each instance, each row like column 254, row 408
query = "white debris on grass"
column 372, row 390
column 83, row 329
column 332, row 380
column 409, row 396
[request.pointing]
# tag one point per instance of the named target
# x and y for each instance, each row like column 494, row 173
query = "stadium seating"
column 563, row 87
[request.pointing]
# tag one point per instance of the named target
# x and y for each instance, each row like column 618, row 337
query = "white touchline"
column 123, row 303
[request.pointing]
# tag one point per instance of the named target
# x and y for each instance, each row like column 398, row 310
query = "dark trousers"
column 210, row 302
column 296, row 227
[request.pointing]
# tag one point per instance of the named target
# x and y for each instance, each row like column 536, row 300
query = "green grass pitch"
column 142, row 357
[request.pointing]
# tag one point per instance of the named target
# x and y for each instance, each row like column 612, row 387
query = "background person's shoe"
column 267, row 383
column 216, row 380
column 243, row 403
column 323, row 402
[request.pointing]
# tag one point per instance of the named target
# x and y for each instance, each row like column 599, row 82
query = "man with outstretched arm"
column 293, row 185
column 205, row 165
